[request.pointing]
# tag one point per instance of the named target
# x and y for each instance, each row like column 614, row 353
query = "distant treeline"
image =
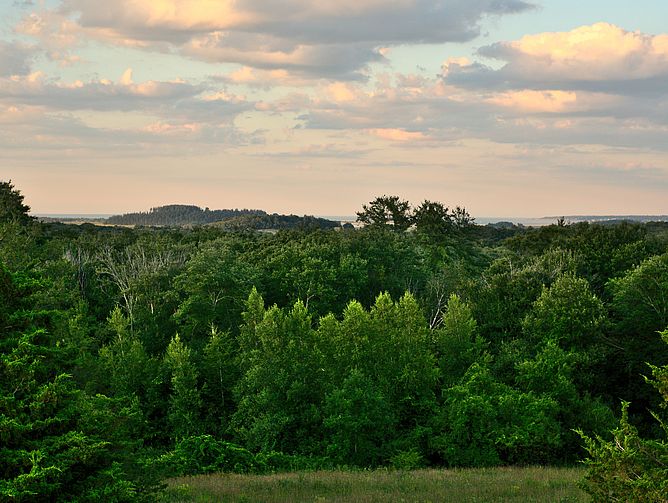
column 236, row 219
column 179, row 214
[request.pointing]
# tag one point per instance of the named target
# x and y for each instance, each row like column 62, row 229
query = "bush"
column 206, row 454
column 407, row 460
column 630, row 468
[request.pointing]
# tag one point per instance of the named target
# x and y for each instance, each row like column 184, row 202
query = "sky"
column 506, row 107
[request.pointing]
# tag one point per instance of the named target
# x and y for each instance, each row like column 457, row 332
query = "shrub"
column 630, row 468
column 206, row 454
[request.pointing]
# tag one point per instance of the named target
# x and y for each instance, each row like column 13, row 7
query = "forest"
column 130, row 355
column 188, row 215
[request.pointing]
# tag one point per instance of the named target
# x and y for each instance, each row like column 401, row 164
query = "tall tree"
column 386, row 212
column 433, row 219
column 58, row 444
column 185, row 400
column 11, row 205
column 458, row 346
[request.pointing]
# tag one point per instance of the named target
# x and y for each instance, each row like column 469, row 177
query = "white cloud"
column 312, row 38
column 598, row 58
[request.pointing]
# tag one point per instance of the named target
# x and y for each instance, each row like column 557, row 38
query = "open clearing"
column 533, row 484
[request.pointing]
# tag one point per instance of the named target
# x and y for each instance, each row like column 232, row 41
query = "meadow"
column 507, row 484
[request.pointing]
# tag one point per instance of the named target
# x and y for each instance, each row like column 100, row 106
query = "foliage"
column 436, row 220
column 178, row 214
column 206, row 454
column 457, row 344
column 386, row 212
column 280, row 388
column 12, row 208
column 484, row 423
column 639, row 310
column 358, row 421
column 125, row 350
column 57, row 442
column 185, row 400
column 629, row 467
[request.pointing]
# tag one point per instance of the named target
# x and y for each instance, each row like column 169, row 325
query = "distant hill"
column 184, row 215
column 179, row 214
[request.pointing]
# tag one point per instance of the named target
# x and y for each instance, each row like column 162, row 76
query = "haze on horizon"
column 507, row 107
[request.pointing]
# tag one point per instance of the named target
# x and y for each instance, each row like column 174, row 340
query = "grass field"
column 535, row 484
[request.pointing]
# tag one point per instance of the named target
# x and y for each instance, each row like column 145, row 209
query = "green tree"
column 386, row 212
column 458, row 345
column 55, row 445
column 483, row 422
column 18, row 233
column 630, row 467
column 433, row 219
column 359, row 422
column 281, row 388
column 124, row 370
column 557, row 374
column 567, row 313
column 639, row 310
column 215, row 284
column 12, row 208
column 505, row 293
column 185, row 401
column 220, row 375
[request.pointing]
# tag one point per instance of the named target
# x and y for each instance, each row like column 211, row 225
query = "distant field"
column 524, row 485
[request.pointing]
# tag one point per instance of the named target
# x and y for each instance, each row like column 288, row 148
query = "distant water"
column 339, row 218
column 478, row 220
column 541, row 221
column 526, row 221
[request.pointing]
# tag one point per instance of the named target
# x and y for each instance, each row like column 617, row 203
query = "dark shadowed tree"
column 386, row 212
column 11, row 205
column 433, row 219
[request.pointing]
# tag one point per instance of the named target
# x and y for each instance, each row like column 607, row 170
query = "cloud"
column 102, row 94
column 15, row 58
column 33, row 129
column 54, row 113
column 255, row 78
column 319, row 21
column 336, row 61
column 597, row 58
column 395, row 134
column 412, row 107
column 321, row 38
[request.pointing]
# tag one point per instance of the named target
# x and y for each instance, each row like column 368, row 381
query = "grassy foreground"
column 534, row 484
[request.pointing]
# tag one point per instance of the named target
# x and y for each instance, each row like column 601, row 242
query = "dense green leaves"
column 630, row 467
column 58, row 444
column 125, row 351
